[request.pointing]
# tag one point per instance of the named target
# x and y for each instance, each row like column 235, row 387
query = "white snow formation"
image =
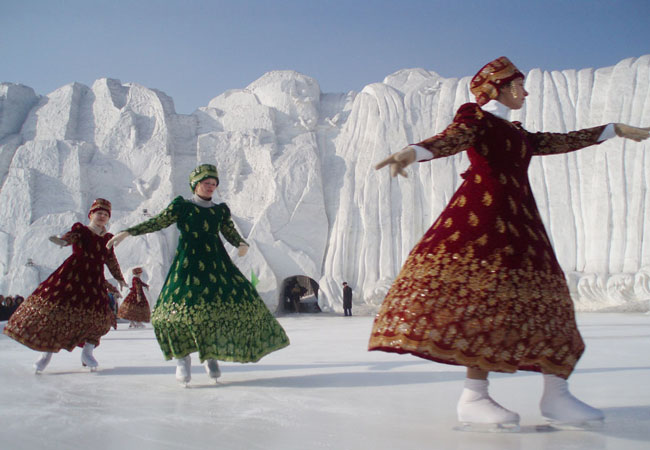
column 296, row 169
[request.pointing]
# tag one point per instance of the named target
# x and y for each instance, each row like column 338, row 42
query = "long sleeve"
column 556, row 143
column 114, row 266
column 460, row 135
column 229, row 231
column 72, row 236
column 110, row 288
column 167, row 217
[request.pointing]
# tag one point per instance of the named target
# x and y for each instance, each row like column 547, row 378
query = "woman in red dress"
column 483, row 287
column 135, row 306
column 70, row 308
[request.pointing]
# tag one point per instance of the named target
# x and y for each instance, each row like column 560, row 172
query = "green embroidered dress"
column 206, row 304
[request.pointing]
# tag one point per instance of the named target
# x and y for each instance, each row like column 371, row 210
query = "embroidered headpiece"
column 100, row 203
column 201, row 173
column 486, row 83
column 137, row 270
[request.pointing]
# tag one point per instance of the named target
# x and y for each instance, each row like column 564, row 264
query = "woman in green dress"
column 206, row 305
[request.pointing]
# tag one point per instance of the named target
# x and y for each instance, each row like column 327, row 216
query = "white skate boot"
column 212, row 369
column 477, row 411
column 563, row 410
column 184, row 370
column 87, row 358
column 42, row 362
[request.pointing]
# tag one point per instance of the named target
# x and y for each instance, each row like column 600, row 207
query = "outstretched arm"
column 68, row 238
column 555, row 143
column 460, row 135
column 163, row 220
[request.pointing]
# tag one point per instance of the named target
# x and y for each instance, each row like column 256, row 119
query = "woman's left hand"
column 115, row 240
column 122, row 283
column 243, row 249
column 629, row 132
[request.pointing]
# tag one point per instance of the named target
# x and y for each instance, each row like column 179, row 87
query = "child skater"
column 71, row 308
column 135, row 306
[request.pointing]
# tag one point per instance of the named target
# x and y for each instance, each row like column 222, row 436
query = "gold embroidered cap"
column 201, row 173
column 137, row 270
column 486, row 83
column 100, row 203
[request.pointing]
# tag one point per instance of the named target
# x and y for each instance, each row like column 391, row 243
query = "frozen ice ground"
column 325, row 391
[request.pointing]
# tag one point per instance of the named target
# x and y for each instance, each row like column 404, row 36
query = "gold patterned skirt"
column 135, row 307
column 46, row 326
column 483, row 289
column 68, row 309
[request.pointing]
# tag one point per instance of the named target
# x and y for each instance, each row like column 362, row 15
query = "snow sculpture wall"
column 296, row 170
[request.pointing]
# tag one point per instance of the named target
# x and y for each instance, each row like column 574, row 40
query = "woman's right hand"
column 58, row 241
column 115, row 240
column 398, row 161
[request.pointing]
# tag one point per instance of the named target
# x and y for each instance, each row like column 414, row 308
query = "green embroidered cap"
column 201, row 173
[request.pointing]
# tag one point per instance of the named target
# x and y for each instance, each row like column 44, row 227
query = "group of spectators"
column 8, row 305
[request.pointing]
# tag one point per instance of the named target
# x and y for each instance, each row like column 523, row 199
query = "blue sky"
column 194, row 50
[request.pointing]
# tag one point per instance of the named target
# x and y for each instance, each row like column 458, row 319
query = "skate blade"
column 214, row 376
column 587, row 425
column 90, row 368
column 488, row 427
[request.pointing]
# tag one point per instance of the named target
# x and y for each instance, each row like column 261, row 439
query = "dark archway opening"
column 299, row 294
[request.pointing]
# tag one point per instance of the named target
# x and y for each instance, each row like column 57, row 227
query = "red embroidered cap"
column 486, row 83
column 100, row 203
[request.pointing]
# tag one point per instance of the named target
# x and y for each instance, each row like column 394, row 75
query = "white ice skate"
column 184, row 370
column 212, row 369
column 563, row 410
column 42, row 362
column 87, row 358
column 477, row 411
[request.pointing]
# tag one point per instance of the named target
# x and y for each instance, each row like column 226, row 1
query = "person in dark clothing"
column 294, row 296
column 347, row 299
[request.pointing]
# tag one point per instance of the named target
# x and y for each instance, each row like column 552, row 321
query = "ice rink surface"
column 324, row 391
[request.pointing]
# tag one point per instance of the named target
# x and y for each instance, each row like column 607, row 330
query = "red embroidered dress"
column 135, row 306
column 71, row 306
column 483, row 287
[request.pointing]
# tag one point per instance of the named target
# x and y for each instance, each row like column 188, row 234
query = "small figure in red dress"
column 71, row 308
column 135, row 306
column 483, row 287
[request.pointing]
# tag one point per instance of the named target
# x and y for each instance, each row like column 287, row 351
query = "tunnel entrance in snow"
column 299, row 294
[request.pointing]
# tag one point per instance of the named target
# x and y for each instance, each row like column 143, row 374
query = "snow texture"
column 296, row 169
column 324, row 391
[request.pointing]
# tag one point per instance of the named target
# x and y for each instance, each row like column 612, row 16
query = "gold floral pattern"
column 206, row 304
column 71, row 306
column 485, row 290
